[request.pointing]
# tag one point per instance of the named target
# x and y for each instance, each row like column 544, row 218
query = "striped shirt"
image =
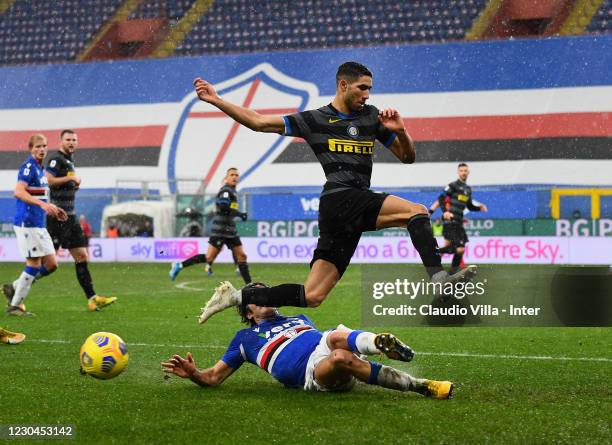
column 60, row 165
column 342, row 143
column 226, row 209
column 281, row 347
column 33, row 174
column 455, row 198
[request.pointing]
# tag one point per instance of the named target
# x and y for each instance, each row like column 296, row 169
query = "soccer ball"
column 103, row 355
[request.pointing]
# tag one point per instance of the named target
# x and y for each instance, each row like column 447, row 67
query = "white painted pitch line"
column 185, row 285
column 436, row 354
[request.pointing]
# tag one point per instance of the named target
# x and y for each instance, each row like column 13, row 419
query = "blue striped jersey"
column 280, row 347
column 33, row 174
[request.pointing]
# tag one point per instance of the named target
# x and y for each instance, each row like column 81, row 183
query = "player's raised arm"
column 186, row 368
column 402, row 147
column 245, row 116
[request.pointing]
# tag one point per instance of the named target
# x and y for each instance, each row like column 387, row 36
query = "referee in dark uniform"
column 64, row 183
column 223, row 231
column 457, row 196
column 342, row 136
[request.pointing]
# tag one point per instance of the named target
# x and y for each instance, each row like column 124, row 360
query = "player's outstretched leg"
column 11, row 338
column 340, row 364
column 175, row 269
column 368, row 343
column 226, row 296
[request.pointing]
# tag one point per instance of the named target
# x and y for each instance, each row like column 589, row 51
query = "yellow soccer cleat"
column 98, row 302
column 11, row 338
column 438, row 389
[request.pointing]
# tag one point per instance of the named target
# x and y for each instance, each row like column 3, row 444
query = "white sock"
column 391, row 378
column 365, row 343
column 24, row 283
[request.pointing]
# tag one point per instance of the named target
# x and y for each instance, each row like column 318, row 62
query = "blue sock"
column 352, row 340
column 373, row 379
column 31, row 270
column 42, row 272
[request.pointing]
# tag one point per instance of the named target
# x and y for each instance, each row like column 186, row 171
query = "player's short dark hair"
column 351, row 71
column 66, row 131
column 463, row 164
column 230, row 169
column 242, row 308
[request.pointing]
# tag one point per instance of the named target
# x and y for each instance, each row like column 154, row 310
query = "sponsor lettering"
column 349, row 146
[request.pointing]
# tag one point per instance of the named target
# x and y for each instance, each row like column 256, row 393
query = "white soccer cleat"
column 225, row 296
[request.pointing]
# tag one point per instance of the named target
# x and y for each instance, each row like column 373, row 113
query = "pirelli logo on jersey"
column 349, row 146
column 463, row 198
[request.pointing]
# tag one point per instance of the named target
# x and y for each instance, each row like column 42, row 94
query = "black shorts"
column 218, row 241
column 67, row 234
column 343, row 216
column 455, row 233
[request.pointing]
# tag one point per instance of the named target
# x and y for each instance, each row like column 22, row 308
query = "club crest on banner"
column 205, row 142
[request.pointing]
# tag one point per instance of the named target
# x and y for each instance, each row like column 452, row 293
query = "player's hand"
column 244, row 216
column 204, row 90
column 177, row 365
column 391, row 119
column 54, row 211
column 76, row 180
column 447, row 215
column 483, row 208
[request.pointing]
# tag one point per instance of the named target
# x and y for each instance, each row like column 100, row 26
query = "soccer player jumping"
column 342, row 136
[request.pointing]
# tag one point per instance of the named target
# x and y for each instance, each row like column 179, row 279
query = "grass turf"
column 497, row 400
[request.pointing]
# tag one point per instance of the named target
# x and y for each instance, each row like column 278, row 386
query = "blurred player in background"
column 86, row 227
column 457, row 196
column 33, row 240
column 11, row 338
column 64, row 183
column 342, row 136
column 298, row 355
column 223, row 231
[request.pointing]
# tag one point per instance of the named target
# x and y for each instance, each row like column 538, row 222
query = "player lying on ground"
column 296, row 354
column 223, row 231
column 342, row 136
column 33, row 240
column 457, row 196
column 11, row 338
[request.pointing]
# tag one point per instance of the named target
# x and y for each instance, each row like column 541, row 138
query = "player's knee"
column 460, row 250
column 241, row 258
column 51, row 266
column 315, row 298
column 336, row 339
column 341, row 358
column 419, row 209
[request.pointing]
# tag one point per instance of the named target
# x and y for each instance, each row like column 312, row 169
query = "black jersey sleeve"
column 297, row 125
column 55, row 166
column 473, row 207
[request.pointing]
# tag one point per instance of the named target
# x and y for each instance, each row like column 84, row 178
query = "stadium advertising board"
column 392, row 249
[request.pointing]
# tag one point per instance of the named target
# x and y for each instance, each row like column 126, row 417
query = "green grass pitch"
column 564, row 398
